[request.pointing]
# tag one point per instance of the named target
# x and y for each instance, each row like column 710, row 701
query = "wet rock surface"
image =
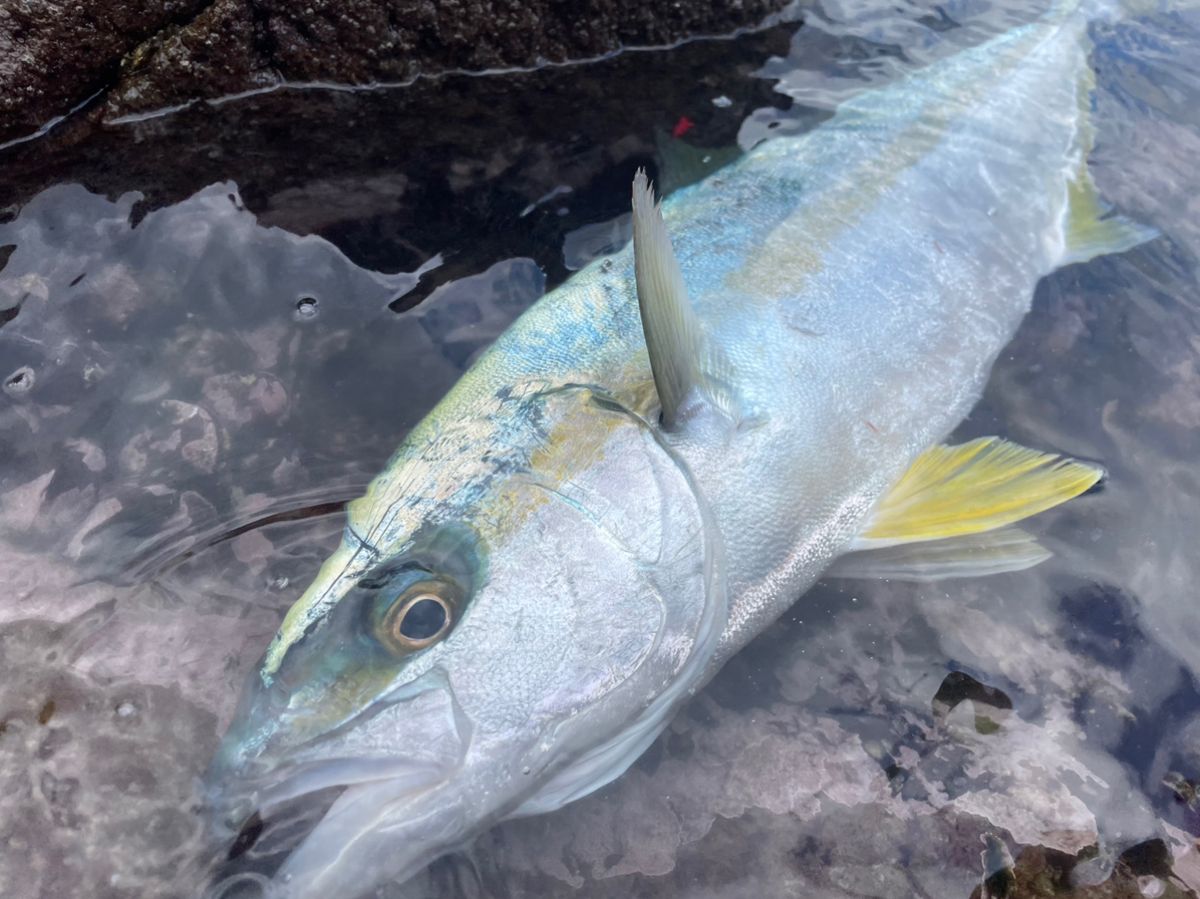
column 549, row 149
column 129, row 58
column 55, row 55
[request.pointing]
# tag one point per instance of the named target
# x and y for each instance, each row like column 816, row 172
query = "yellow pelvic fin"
column 974, row 487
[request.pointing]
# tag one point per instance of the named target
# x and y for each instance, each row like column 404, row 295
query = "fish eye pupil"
column 416, row 617
column 423, row 620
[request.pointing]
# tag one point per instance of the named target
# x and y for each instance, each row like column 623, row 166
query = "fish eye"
column 419, row 617
column 422, row 619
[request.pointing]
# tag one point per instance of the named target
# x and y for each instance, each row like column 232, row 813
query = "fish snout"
column 272, row 767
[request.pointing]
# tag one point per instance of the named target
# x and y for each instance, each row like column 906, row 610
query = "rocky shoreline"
column 119, row 58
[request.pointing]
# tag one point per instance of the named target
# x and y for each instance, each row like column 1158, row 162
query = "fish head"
column 519, row 603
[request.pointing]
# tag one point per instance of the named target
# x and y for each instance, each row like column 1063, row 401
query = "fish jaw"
column 407, row 795
column 374, row 833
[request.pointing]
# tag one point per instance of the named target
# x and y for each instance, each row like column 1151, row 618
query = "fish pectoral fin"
column 682, row 359
column 971, row 555
column 952, row 491
column 949, row 515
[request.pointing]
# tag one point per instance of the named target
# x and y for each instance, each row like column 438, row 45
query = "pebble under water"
column 216, row 325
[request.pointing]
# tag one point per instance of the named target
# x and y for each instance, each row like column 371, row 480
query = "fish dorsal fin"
column 674, row 337
column 950, row 491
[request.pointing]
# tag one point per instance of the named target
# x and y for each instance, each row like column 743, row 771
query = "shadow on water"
column 216, row 326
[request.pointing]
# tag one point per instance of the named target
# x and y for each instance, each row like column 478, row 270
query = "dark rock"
column 395, row 176
column 53, row 55
column 126, row 58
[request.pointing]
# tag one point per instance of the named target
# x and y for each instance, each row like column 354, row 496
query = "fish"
column 662, row 455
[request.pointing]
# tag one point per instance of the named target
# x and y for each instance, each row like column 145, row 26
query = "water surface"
column 215, row 326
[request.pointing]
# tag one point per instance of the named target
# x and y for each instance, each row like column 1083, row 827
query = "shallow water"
column 215, row 326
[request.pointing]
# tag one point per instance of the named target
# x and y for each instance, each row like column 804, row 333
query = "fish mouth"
column 271, row 818
column 373, row 833
column 307, row 822
column 316, row 816
column 314, row 801
column 366, row 833
column 315, row 777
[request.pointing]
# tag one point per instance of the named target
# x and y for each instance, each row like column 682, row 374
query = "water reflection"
column 191, row 389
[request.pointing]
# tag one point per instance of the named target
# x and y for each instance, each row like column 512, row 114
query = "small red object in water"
column 682, row 127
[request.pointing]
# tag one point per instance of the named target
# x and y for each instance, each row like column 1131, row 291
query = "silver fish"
column 663, row 454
